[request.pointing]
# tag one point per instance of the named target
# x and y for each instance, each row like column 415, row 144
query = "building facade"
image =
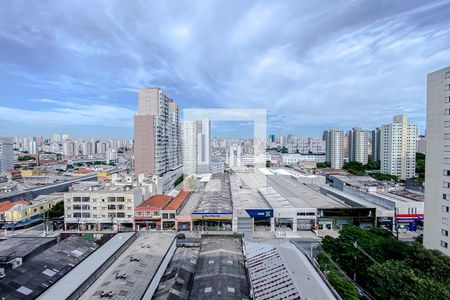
column 196, row 147
column 437, row 172
column 6, row 154
column 376, row 144
column 421, row 144
column 157, row 135
column 398, row 148
column 335, row 148
column 358, row 145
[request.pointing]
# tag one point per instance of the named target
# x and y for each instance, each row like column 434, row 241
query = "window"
column 445, row 208
column 165, row 216
column 111, row 199
column 446, row 185
column 156, row 213
column 447, row 99
column 121, row 215
column 172, row 216
column 444, row 220
column 120, row 199
column 446, row 172
column 86, row 215
column 77, row 207
column 447, row 124
column 447, row 87
column 77, row 215
column 111, row 206
column 445, row 197
column 86, row 199
column 76, row 199
column 447, row 111
column 446, row 136
column 85, row 207
column 444, row 244
column 447, row 75
column 444, row 232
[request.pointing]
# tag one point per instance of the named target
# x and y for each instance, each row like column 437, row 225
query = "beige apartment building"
column 437, row 172
column 98, row 208
column 335, row 147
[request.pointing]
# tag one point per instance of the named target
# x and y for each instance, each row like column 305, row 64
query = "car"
column 181, row 236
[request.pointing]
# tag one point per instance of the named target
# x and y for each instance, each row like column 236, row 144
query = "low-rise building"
column 96, row 207
column 148, row 213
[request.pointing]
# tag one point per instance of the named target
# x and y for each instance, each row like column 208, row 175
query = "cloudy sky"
column 76, row 66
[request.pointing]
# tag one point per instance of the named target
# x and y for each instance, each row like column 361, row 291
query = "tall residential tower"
column 335, row 147
column 358, row 145
column 437, row 166
column 398, row 148
column 6, row 154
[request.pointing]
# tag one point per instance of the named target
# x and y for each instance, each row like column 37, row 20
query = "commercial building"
column 157, row 137
column 6, row 154
column 398, row 148
column 148, row 213
column 172, row 209
column 295, row 158
column 358, row 145
column 97, row 208
column 437, row 172
column 335, row 148
column 376, row 144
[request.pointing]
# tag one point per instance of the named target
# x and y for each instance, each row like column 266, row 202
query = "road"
column 33, row 231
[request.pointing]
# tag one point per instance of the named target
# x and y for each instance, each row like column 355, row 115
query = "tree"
column 56, row 210
column 420, row 165
column 385, row 177
column 321, row 165
column 355, row 167
column 396, row 280
column 178, row 181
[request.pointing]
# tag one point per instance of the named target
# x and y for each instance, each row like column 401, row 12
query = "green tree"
column 56, row 210
column 178, row 180
column 321, row 165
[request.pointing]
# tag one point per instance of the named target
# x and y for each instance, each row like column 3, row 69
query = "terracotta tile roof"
column 7, row 205
column 154, row 202
column 177, row 201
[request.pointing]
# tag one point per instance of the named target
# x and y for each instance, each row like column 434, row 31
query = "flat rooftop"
column 41, row 271
column 23, row 246
column 300, row 195
column 244, row 197
column 76, row 277
column 220, row 272
column 139, row 273
column 216, row 197
column 177, row 279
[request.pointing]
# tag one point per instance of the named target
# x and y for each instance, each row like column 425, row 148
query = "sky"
column 75, row 66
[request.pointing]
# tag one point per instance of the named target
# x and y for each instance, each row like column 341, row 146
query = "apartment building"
column 335, row 147
column 376, row 144
column 437, row 172
column 157, row 137
column 96, row 207
column 196, row 147
column 358, row 145
column 398, row 148
column 6, row 154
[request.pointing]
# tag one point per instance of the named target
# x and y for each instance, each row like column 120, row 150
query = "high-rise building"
column 376, row 144
column 334, row 139
column 358, row 145
column 234, row 156
column 398, row 148
column 437, row 166
column 56, row 138
column 421, row 144
column 196, row 146
column 6, row 154
column 157, row 136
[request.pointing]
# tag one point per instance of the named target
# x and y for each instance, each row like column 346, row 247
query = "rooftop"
column 41, row 271
column 7, row 205
column 244, row 197
column 301, row 195
column 139, row 273
column 23, row 246
column 177, row 279
column 178, row 200
column 154, row 202
column 216, row 197
column 220, row 272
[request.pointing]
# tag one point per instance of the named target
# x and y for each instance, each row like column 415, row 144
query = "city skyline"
column 282, row 63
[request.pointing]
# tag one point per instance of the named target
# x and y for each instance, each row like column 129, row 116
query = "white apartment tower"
column 334, row 139
column 6, row 154
column 437, row 172
column 398, row 148
column 358, row 145
column 196, row 146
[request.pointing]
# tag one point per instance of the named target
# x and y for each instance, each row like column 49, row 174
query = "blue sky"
column 76, row 66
